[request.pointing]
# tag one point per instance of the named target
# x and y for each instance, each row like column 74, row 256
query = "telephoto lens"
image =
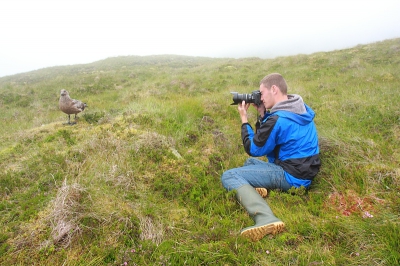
column 254, row 97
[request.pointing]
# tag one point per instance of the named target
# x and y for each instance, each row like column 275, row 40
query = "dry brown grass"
column 65, row 214
column 151, row 230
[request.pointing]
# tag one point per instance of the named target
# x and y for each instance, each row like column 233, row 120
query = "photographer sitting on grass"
column 288, row 137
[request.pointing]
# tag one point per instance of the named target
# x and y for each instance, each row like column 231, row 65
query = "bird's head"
column 64, row 92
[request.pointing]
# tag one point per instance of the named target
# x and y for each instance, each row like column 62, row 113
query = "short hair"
column 275, row 79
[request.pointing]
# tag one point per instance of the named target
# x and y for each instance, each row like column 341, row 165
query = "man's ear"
column 274, row 89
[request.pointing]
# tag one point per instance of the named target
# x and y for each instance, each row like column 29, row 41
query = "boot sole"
column 256, row 233
column 262, row 191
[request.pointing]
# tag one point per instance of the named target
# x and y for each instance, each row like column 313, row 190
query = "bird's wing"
column 78, row 104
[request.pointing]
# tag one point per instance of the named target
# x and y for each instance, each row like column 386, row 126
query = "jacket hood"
column 294, row 109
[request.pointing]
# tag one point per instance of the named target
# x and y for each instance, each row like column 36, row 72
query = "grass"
column 137, row 179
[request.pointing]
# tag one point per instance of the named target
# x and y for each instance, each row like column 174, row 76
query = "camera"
column 254, row 97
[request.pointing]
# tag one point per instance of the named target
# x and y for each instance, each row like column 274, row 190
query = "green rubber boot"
column 265, row 221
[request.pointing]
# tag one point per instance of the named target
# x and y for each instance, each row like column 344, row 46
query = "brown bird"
column 70, row 106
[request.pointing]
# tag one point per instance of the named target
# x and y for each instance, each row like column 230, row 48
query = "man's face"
column 266, row 96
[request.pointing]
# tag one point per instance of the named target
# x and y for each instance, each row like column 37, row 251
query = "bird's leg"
column 69, row 121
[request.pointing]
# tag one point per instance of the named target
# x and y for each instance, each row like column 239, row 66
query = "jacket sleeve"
column 263, row 141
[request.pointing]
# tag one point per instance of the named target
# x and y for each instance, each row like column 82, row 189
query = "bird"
column 70, row 106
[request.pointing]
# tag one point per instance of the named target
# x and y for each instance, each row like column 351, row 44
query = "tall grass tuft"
column 66, row 213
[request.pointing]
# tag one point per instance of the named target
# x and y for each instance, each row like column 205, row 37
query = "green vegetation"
column 137, row 180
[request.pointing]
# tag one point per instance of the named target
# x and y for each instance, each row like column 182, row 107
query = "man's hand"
column 242, row 108
column 260, row 109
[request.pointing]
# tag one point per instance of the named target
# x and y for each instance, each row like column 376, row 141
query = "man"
column 287, row 136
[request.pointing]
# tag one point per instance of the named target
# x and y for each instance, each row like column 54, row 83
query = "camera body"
column 254, row 97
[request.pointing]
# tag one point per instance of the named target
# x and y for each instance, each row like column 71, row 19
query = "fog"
column 44, row 33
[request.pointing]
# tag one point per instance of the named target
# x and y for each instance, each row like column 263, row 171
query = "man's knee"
column 227, row 179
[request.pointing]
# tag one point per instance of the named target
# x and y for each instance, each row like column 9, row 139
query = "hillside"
column 137, row 180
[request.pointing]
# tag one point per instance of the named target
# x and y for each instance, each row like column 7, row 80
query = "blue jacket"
column 289, row 140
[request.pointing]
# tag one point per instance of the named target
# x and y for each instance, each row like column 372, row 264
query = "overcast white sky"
column 41, row 33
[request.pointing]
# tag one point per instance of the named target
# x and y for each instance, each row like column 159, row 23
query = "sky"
column 35, row 34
